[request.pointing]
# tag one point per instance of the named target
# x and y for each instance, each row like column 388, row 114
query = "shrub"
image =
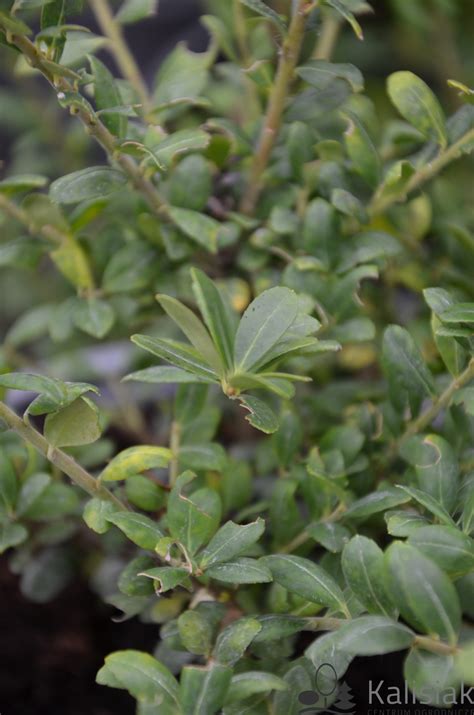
column 288, row 232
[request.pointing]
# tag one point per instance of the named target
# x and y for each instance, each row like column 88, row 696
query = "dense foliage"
column 312, row 253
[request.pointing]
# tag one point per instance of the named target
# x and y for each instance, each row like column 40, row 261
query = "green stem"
column 379, row 204
column 426, row 418
column 119, row 48
column 58, row 458
column 289, row 57
column 328, row 37
column 303, row 536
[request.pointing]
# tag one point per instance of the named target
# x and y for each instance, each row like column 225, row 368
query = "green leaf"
column 135, row 10
column 203, row 456
column 131, row 582
column 145, row 678
column 306, row 579
column 321, row 74
column 54, row 389
column 234, row 640
column 408, row 377
column 138, row 528
column 180, row 354
column 431, row 677
column 341, row 8
column 429, row 503
column 436, row 467
column 195, row 632
column 165, row 374
column 458, row 313
column 241, row 570
column 261, row 416
column 418, row 105
column 107, row 95
column 231, row 540
column 14, row 24
column 331, row 535
column 168, row 578
column 22, row 182
column 11, row 534
column 134, row 460
column 144, row 493
column 363, row 566
column 192, row 518
column 194, row 330
column 76, row 424
column 198, row 227
column 55, row 501
column 403, row 523
column 374, row 503
column 447, row 546
column 96, row 514
column 8, row 483
column 325, row 650
column 464, row 662
column 244, row 685
column 182, row 75
column 87, row 184
column 374, row 635
column 424, row 595
column 178, row 143
column 215, row 315
column 203, row 689
column 30, row 491
column 261, row 8
column 264, row 322
column 362, row 152
column 94, row 316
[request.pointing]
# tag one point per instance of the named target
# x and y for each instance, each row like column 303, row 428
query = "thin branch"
column 58, row 458
column 379, row 204
column 120, row 50
column 289, row 57
column 175, row 439
column 94, row 126
column 427, row 417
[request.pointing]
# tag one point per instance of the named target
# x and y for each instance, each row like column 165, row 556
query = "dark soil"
column 50, row 653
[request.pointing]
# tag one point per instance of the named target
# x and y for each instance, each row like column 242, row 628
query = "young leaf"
column 215, row 314
column 231, row 540
column 424, row 595
column 134, row 460
column 194, row 330
column 264, row 322
column 76, row 424
column 179, row 354
column 363, row 566
column 306, row 579
column 416, row 102
column 179, row 142
column 132, row 11
column 138, row 528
